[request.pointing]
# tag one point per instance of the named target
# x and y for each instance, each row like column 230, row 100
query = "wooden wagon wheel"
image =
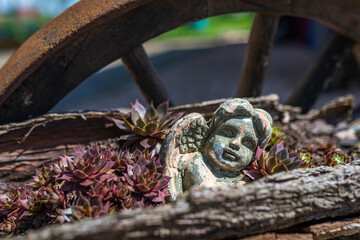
column 92, row 34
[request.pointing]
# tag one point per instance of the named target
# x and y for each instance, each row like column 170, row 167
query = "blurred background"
column 197, row 62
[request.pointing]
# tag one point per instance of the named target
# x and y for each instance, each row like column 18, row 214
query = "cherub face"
column 232, row 144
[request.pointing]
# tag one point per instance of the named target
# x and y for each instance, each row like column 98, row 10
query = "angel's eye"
column 226, row 132
column 248, row 143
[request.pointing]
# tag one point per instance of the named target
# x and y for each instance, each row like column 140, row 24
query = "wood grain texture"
column 25, row 146
column 93, row 33
column 257, row 55
column 271, row 203
column 144, row 74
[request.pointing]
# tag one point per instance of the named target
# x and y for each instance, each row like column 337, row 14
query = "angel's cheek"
column 245, row 156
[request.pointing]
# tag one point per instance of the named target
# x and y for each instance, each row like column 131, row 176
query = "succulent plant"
column 335, row 158
column 277, row 135
column 306, row 158
column 146, row 177
column 322, row 149
column 278, row 159
column 90, row 184
column 46, row 176
column 124, row 196
column 148, row 126
column 86, row 167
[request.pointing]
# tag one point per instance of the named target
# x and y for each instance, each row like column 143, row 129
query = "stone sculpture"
column 197, row 153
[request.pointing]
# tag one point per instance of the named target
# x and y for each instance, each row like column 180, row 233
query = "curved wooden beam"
column 92, row 34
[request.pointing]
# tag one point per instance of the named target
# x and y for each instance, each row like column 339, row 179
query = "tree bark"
column 272, row 203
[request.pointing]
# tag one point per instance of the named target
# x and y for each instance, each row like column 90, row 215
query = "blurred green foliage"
column 14, row 30
column 213, row 27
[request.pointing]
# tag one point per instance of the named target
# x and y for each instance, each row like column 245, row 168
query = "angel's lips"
column 229, row 155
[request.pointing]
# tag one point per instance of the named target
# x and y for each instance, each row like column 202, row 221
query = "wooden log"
column 25, row 146
column 143, row 73
column 281, row 236
column 333, row 229
column 269, row 204
column 91, row 34
column 312, row 85
column 257, row 55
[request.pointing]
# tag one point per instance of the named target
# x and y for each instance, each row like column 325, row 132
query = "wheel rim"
column 81, row 41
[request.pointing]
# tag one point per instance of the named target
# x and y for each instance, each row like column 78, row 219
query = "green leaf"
column 283, row 154
column 140, row 179
column 159, row 135
column 295, row 164
column 140, row 123
column 151, row 127
column 142, row 187
column 151, row 112
column 270, row 164
column 163, row 108
column 279, row 168
column 139, row 131
column 338, row 159
column 164, row 118
column 129, row 126
column 261, row 161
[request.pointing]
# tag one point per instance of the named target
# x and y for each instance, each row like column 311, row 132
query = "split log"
column 269, row 204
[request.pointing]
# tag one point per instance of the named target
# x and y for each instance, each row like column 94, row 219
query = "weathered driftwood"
column 27, row 145
column 272, row 203
column 319, row 230
column 336, row 110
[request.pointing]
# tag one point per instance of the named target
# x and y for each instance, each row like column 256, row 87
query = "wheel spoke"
column 356, row 52
column 143, row 72
column 311, row 86
column 257, row 54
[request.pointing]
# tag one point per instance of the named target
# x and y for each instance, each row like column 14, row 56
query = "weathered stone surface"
column 200, row 154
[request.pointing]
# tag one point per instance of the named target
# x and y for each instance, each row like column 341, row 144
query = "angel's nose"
column 235, row 144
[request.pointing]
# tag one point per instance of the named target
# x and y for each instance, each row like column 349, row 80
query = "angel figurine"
column 197, row 153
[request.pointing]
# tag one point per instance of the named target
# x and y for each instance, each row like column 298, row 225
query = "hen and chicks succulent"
column 92, row 183
column 147, row 127
column 278, row 159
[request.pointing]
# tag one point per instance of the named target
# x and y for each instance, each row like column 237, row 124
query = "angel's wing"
column 186, row 136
